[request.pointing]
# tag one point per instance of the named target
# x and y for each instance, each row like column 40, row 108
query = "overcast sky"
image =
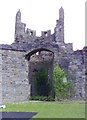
column 42, row 15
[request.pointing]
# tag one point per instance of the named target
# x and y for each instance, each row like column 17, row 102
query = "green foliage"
column 45, row 89
column 42, row 98
column 62, row 89
column 42, row 83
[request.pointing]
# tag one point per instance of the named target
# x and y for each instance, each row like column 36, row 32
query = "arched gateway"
column 30, row 54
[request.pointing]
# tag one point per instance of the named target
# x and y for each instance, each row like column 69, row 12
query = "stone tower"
column 59, row 29
column 19, row 28
column 18, row 17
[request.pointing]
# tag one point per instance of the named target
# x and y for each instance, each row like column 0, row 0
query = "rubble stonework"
column 18, row 58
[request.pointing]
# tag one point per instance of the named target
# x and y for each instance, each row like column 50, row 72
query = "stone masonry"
column 19, row 59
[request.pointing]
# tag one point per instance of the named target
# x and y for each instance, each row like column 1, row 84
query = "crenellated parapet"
column 26, row 36
column 23, row 34
column 46, row 33
column 30, row 32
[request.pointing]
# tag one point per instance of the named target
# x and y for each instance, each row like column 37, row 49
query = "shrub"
column 42, row 98
column 61, row 88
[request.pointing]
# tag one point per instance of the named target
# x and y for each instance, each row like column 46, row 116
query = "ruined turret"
column 18, row 17
column 59, row 29
column 19, row 28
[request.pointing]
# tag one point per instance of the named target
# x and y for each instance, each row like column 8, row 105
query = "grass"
column 49, row 109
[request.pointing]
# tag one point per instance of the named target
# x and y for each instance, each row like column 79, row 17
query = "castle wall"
column 14, row 60
column 0, row 77
column 15, row 84
column 77, row 74
column 15, row 76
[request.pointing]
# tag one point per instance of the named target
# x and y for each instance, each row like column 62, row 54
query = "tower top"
column 18, row 16
column 61, row 8
column 61, row 13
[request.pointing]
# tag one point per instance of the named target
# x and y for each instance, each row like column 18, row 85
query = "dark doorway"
column 40, row 72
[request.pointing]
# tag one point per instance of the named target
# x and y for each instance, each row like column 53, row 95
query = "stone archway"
column 41, row 60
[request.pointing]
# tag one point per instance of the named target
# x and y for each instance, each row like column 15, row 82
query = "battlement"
column 23, row 34
column 46, row 33
column 30, row 32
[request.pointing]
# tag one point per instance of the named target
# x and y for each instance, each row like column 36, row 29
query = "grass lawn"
column 50, row 109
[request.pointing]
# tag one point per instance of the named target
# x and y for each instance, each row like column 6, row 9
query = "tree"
column 61, row 87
